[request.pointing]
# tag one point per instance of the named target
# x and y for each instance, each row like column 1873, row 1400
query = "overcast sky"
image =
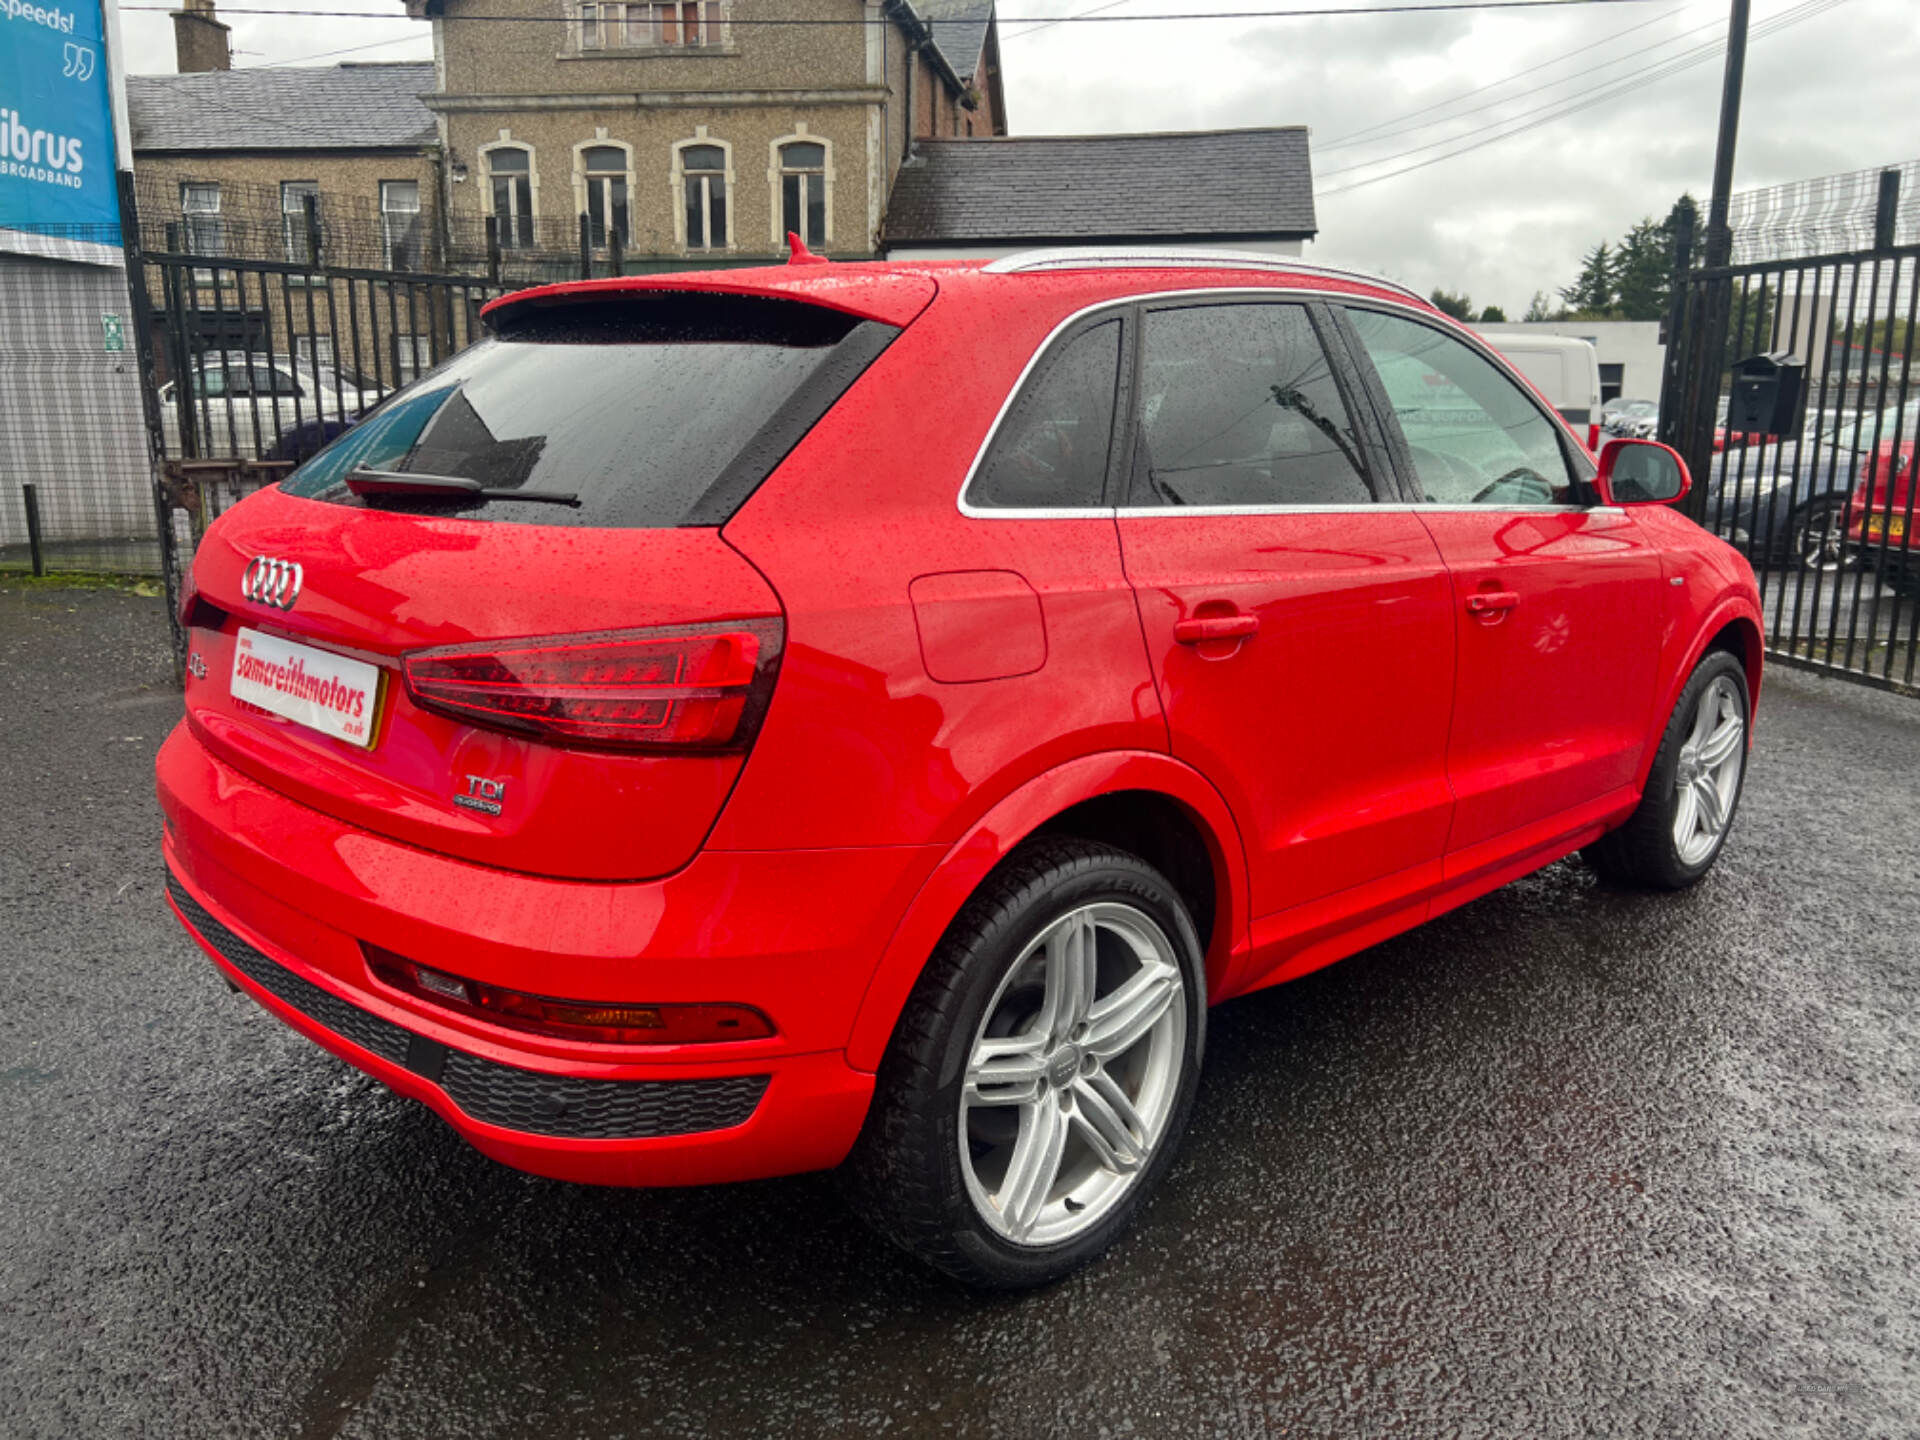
column 1832, row 92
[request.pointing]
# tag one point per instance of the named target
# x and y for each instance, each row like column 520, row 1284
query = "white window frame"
column 677, row 190
column 416, row 247
column 199, row 224
column 298, row 216
column 776, row 173
column 582, row 183
column 412, row 356
column 616, row 26
column 485, row 152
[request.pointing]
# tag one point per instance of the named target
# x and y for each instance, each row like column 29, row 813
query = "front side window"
column 204, row 231
column 1475, row 436
column 803, row 191
column 1238, row 406
column 703, row 170
column 400, row 222
column 511, row 174
column 1051, row 451
column 606, row 177
column 293, row 219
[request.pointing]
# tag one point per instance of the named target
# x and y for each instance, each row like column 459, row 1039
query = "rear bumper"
column 281, row 897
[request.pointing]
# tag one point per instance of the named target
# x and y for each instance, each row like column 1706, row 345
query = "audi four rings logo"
column 272, row 582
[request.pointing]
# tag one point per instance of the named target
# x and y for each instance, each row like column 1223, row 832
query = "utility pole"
column 1719, row 236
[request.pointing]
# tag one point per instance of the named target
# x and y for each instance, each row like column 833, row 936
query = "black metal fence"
column 1820, row 495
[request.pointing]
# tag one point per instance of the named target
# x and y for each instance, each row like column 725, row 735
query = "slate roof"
column 1210, row 184
column 960, row 30
column 325, row 107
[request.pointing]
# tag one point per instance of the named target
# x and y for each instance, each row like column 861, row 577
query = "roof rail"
column 1176, row 257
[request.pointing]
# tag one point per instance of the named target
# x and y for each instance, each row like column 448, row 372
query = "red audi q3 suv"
column 863, row 715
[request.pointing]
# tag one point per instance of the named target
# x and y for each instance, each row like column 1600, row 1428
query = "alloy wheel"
column 1820, row 540
column 1072, row 1074
column 1707, row 779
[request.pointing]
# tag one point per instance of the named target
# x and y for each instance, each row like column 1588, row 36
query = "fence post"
column 1887, row 210
column 493, row 248
column 133, row 256
column 1682, row 220
column 33, row 529
column 586, row 248
column 613, row 249
column 313, row 228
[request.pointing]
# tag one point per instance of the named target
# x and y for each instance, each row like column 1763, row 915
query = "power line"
column 1085, row 18
column 1367, row 135
column 1571, row 105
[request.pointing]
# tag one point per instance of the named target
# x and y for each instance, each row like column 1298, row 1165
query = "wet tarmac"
column 1566, row 1162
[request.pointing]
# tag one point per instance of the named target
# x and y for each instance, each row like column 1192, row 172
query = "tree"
column 1643, row 271
column 1537, row 309
column 1447, row 303
column 1493, row 315
column 1591, row 296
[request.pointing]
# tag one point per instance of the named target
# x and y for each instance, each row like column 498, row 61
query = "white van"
column 1565, row 369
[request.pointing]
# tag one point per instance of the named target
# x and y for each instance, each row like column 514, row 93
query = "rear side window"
column 1238, row 406
column 1051, row 451
column 654, row 412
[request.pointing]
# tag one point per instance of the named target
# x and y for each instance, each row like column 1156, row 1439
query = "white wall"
column 1632, row 344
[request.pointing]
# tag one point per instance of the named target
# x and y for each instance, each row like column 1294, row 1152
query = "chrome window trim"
column 1287, row 296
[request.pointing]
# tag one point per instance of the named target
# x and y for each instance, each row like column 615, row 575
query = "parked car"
column 1880, row 511
column 674, row 751
column 1637, row 419
column 264, row 407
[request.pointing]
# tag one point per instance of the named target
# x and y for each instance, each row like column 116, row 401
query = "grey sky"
column 1832, row 92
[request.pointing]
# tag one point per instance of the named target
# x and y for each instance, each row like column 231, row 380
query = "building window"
column 605, row 169
column 703, row 171
column 634, row 26
column 400, row 223
column 203, row 231
column 803, row 191
column 510, row 169
column 293, row 219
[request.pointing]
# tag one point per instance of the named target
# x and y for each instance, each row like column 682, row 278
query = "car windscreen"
column 653, row 411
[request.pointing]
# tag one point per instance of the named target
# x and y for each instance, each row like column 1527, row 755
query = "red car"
column 1880, row 512
column 735, row 724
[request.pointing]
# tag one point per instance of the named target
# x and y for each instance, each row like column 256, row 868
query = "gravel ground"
column 1565, row 1162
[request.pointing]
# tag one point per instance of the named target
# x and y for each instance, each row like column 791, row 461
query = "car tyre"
column 1060, row 1021
column 1817, row 537
column 1687, row 810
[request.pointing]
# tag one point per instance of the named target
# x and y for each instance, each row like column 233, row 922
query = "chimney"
column 199, row 39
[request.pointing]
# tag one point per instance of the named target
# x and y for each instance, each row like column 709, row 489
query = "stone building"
column 698, row 130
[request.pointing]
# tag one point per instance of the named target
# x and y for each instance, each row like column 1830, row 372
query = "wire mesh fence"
column 1828, row 215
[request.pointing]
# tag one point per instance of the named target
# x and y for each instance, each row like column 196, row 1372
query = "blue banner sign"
column 56, row 121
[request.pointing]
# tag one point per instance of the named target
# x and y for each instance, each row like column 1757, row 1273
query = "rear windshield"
column 653, row 412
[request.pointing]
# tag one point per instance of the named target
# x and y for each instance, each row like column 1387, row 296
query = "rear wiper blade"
column 363, row 481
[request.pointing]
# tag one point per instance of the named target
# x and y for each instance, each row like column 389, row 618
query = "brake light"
column 692, row 687
column 1593, row 438
column 607, row 1024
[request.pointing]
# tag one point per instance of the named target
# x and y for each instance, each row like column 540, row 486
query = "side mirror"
column 1641, row 472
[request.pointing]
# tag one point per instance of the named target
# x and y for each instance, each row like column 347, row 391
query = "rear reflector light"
column 692, row 687
column 608, row 1024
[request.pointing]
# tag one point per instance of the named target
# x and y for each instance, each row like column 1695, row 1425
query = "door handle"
column 1490, row 602
column 1201, row 628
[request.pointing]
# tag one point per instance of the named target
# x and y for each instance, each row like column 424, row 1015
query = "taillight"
column 687, row 687
column 613, row 1023
column 1593, row 438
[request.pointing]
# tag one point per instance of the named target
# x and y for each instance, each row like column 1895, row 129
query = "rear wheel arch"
column 1097, row 797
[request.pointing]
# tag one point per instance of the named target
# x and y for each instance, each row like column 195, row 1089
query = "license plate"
column 315, row 688
column 1894, row 529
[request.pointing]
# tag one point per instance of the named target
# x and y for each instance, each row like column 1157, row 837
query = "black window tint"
column 1475, row 436
column 1238, row 406
column 655, row 413
column 1052, row 449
